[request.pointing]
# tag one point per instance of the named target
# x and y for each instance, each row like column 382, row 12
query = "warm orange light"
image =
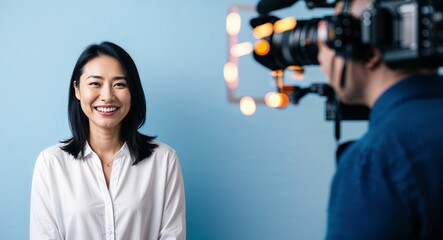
column 298, row 75
column 233, row 23
column 285, row 24
column 285, row 100
column 241, row 49
column 278, row 76
column 298, row 72
column 277, row 73
column 276, row 100
column 262, row 47
column 272, row 99
column 247, row 105
column 296, row 68
column 230, row 72
column 263, row 30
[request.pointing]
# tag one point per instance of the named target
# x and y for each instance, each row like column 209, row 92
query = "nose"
column 107, row 93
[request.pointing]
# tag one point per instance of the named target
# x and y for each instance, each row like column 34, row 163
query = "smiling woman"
column 108, row 181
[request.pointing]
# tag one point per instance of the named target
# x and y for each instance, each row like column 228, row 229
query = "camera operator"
column 388, row 184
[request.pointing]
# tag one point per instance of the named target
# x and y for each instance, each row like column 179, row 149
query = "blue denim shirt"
column 389, row 184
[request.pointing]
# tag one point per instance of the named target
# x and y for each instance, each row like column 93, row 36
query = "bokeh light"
column 241, row 49
column 276, row 100
column 230, row 72
column 262, row 47
column 247, row 105
column 263, row 30
column 285, row 24
column 233, row 23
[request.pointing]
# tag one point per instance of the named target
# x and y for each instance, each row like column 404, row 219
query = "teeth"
column 106, row 109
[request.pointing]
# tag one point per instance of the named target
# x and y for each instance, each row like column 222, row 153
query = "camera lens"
column 297, row 46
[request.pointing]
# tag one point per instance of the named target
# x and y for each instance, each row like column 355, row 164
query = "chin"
column 350, row 98
column 351, row 101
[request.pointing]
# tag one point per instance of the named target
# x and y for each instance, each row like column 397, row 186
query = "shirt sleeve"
column 174, row 210
column 42, row 221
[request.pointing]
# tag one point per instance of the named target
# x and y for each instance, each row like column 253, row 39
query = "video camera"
column 409, row 34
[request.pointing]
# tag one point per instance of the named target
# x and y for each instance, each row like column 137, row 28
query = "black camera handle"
column 334, row 111
column 333, row 106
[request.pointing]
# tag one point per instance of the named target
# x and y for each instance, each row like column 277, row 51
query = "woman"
column 108, row 181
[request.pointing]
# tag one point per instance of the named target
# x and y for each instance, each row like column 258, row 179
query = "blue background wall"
column 265, row 176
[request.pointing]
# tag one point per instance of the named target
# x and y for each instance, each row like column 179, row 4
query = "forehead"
column 103, row 64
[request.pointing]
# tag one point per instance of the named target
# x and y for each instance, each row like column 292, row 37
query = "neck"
column 380, row 82
column 104, row 142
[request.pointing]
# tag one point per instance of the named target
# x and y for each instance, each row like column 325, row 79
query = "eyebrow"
column 100, row 77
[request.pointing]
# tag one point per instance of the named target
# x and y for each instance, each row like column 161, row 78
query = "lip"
column 106, row 110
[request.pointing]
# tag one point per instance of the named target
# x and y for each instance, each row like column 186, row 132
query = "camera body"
column 409, row 33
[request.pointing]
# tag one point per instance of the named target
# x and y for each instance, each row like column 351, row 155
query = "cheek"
column 86, row 97
column 85, row 105
column 338, row 67
column 125, row 98
column 128, row 102
column 326, row 68
column 325, row 56
column 128, row 97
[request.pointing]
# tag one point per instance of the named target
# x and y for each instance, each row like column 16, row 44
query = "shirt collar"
column 123, row 150
column 87, row 150
column 413, row 87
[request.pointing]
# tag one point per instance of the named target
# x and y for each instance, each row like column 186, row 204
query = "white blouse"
column 70, row 199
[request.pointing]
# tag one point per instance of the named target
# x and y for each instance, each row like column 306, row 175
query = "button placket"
column 116, row 169
column 106, row 196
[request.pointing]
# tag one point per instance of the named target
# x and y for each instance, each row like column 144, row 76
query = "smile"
column 106, row 109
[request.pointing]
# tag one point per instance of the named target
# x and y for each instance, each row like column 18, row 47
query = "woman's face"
column 103, row 93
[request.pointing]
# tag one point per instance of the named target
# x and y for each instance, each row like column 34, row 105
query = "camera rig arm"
column 298, row 93
column 334, row 110
column 344, row 111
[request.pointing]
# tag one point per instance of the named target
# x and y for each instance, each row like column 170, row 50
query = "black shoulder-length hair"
column 141, row 146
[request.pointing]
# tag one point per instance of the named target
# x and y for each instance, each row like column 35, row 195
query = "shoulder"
column 51, row 160
column 54, row 150
column 164, row 154
column 377, row 149
column 52, row 153
column 371, row 158
column 164, row 149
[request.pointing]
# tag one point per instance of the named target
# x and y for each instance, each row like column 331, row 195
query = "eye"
column 94, row 84
column 120, row 85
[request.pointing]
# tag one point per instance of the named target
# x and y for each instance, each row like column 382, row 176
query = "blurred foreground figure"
column 389, row 184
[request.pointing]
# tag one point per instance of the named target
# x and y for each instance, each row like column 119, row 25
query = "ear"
column 375, row 58
column 77, row 91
